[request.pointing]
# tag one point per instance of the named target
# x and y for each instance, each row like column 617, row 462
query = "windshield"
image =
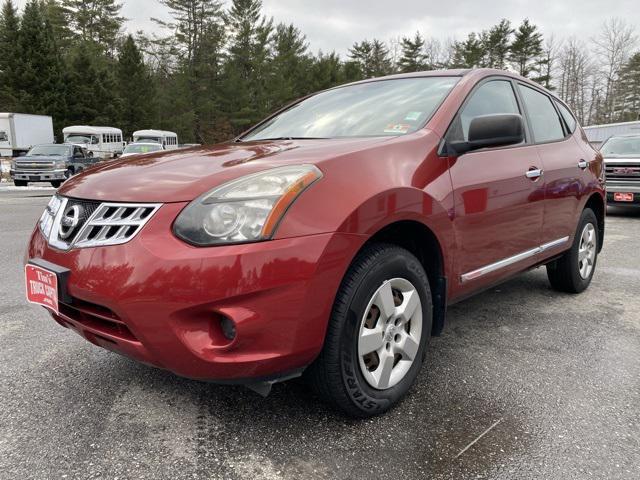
column 148, row 139
column 379, row 108
column 622, row 147
column 82, row 139
column 49, row 151
column 133, row 148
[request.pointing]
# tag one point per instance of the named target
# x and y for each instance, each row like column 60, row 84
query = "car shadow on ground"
column 447, row 409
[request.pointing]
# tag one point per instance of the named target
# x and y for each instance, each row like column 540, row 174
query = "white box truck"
column 21, row 131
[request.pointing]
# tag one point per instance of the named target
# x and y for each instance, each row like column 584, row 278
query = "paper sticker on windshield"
column 413, row 116
column 397, row 128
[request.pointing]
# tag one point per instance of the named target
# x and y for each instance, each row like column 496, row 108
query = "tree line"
column 213, row 70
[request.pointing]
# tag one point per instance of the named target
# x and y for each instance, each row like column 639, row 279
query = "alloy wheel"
column 390, row 332
column 587, row 250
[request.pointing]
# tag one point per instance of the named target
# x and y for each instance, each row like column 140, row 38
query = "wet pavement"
column 551, row 380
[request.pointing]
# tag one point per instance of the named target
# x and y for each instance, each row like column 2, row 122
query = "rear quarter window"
column 568, row 117
column 542, row 115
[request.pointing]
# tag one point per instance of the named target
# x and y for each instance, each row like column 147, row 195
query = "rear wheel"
column 573, row 271
column 20, row 183
column 378, row 333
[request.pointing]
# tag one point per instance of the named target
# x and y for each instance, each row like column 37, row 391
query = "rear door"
column 498, row 207
column 563, row 175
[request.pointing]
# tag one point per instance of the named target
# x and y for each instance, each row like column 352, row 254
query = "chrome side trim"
column 511, row 260
column 555, row 243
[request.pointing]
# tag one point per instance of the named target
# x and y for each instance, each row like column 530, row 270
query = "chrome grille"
column 623, row 173
column 34, row 166
column 84, row 223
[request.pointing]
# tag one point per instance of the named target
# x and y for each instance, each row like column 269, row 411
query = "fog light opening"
column 228, row 328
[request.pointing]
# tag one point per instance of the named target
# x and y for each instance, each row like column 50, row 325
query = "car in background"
column 329, row 239
column 622, row 166
column 140, row 148
column 103, row 142
column 52, row 163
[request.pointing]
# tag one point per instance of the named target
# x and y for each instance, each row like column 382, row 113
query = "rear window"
column 378, row 108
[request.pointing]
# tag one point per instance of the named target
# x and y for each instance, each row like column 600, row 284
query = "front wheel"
column 20, row 183
column 573, row 272
column 378, row 333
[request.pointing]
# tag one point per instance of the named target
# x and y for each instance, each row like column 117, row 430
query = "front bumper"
column 159, row 300
column 617, row 187
column 42, row 176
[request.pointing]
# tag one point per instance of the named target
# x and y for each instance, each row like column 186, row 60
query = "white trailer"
column 21, row 131
column 597, row 134
column 103, row 142
column 167, row 139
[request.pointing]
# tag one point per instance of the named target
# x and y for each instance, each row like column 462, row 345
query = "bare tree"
column 575, row 78
column 613, row 47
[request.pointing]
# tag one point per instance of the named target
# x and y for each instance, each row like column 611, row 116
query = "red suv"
column 330, row 238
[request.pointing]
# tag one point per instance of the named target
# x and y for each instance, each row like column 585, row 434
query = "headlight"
column 59, row 164
column 46, row 219
column 248, row 209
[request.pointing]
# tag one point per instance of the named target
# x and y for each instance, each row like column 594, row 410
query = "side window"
column 568, row 117
column 495, row 96
column 544, row 119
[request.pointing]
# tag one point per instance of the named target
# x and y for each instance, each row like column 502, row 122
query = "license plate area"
column 623, row 197
column 46, row 284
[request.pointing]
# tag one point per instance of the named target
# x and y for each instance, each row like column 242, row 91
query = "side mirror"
column 496, row 130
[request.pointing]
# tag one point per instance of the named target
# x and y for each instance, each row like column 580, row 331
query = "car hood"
column 182, row 175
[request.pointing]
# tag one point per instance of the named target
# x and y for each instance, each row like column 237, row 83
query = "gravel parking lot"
column 556, row 376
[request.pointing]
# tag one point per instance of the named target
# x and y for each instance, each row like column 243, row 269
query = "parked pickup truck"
column 50, row 163
column 622, row 164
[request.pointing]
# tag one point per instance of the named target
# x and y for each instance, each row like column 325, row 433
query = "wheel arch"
column 421, row 241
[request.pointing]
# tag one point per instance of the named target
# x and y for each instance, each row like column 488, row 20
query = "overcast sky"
column 337, row 24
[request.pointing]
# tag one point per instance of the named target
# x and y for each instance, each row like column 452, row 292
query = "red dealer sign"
column 42, row 287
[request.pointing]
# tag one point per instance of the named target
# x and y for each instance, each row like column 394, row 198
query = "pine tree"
column 290, row 66
column 245, row 97
column 496, row 44
column 413, row 58
column 469, row 53
column 9, row 46
column 93, row 94
column 526, row 49
column 39, row 71
column 135, row 89
column 98, row 21
column 197, row 39
column 372, row 58
column 628, row 107
column 327, row 71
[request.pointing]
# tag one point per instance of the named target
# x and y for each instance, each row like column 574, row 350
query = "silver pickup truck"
column 52, row 163
column 622, row 166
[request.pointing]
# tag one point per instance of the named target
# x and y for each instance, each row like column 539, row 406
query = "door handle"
column 583, row 164
column 534, row 173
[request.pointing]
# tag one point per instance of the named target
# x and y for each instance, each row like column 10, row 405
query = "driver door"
column 499, row 203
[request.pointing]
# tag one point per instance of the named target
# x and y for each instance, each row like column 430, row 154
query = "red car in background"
column 330, row 238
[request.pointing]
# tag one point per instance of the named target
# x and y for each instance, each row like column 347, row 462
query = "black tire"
column 564, row 273
column 336, row 375
column 56, row 183
column 20, row 183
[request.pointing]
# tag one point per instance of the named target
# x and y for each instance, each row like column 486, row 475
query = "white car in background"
column 141, row 148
